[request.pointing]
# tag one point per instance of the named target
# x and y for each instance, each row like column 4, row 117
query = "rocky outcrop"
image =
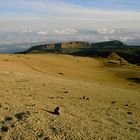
column 115, row 58
column 52, row 47
column 59, row 46
column 122, row 53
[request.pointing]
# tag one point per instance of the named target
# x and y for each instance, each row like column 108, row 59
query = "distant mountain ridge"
column 58, row 46
column 72, row 45
column 114, row 43
column 101, row 49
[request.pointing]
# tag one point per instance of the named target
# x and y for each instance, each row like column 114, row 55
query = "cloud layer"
column 36, row 15
column 23, row 22
column 46, row 36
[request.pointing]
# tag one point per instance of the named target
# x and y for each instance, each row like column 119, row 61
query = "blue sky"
column 108, row 4
column 16, row 15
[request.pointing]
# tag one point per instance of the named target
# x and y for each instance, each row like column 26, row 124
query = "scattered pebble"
column 84, row 97
column 6, row 108
column 113, row 102
column 12, row 125
column 129, row 113
column 61, row 73
column 56, row 111
column 8, row 118
column 55, row 130
column 65, row 91
column 4, row 128
column 126, row 104
column 40, row 135
column 46, row 138
column 60, row 97
column 129, row 122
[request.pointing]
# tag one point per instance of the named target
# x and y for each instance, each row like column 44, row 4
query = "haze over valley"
column 11, row 42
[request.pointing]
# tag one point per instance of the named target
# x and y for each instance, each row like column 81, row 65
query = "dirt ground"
column 96, row 100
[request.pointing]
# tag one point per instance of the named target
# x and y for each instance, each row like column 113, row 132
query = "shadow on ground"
column 135, row 80
column 51, row 112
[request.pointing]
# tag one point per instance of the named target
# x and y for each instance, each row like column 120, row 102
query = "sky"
column 37, row 21
column 16, row 15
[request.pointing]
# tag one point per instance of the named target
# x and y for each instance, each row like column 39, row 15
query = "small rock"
column 4, row 128
column 40, row 135
column 6, row 108
column 56, row 111
column 61, row 73
column 84, row 97
column 126, row 105
column 87, row 98
column 129, row 113
column 46, row 138
column 8, row 118
column 113, row 102
column 12, row 125
column 60, row 97
column 130, row 123
column 65, row 91
column 55, row 130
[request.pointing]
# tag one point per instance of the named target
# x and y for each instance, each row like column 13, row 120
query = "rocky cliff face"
column 76, row 44
column 59, row 46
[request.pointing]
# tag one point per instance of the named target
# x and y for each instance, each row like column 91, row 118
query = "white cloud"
column 42, row 33
column 106, row 31
column 57, row 14
column 101, row 34
column 65, row 32
column 65, row 10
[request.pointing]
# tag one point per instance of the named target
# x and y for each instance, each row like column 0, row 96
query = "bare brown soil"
column 96, row 100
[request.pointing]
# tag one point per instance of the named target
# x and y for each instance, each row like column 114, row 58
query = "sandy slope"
column 31, row 86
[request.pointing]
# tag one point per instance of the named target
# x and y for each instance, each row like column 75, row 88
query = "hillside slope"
column 97, row 100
